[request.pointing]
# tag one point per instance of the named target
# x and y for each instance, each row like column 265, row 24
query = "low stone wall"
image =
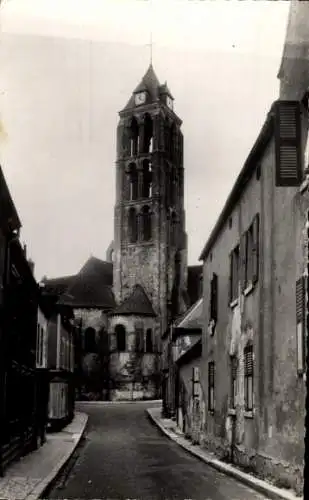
column 281, row 474
column 130, row 391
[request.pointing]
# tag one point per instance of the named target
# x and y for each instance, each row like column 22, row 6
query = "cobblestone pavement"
column 126, row 457
column 27, row 478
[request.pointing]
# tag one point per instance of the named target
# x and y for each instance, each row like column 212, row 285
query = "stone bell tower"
column 294, row 69
column 150, row 244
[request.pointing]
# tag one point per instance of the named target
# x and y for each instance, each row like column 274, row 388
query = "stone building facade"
column 253, row 342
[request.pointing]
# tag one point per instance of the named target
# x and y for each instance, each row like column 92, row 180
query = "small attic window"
column 258, row 172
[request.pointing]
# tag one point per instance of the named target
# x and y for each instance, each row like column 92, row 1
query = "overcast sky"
column 69, row 66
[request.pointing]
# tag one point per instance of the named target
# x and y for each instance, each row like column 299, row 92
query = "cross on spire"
column 150, row 44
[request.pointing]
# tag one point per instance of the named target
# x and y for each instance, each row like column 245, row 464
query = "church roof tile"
column 137, row 304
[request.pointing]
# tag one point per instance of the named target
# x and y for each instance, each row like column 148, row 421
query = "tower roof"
column 137, row 304
column 150, row 84
column 294, row 71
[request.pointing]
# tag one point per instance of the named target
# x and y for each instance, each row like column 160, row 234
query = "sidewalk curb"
column 257, row 484
column 43, row 486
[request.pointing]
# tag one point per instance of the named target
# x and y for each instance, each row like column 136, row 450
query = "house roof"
column 91, row 287
column 137, row 304
column 195, row 351
column 57, row 286
column 241, row 181
column 192, row 319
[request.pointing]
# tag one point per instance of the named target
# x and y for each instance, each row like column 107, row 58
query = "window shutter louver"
column 255, row 249
column 248, row 361
column 300, row 324
column 288, row 143
column 300, row 300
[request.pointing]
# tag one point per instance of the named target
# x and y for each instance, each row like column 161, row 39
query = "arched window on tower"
column 146, row 223
column 149, row 343
column 172, row 140
column 132, row 225
column 147, row 179
column 120, row 332
column 166, row 135
column 148, row 134
column 134, row 137
column 133, row 182
column 172, row 187
column 173, row 228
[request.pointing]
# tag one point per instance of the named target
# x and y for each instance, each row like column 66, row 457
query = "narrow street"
column 125, row 456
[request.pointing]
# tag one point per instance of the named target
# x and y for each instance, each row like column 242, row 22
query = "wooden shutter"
column 288, row 143
column 242, row 261
column 214, row 298
column 300, row 300
column 300, row 324
column 255, row 249
column 195, row 381
column 211, row 374
column 248, row 361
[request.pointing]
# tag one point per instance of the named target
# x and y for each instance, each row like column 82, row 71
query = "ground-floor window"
column 248, row 358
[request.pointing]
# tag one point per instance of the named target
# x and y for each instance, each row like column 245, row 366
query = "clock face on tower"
column 169, row 102
column 140, row 98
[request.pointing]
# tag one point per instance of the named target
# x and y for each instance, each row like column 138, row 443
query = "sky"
column 69, row 66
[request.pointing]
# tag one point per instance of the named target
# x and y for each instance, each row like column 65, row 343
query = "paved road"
column 125, row 457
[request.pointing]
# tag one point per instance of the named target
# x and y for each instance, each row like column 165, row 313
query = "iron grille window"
column 248, row 360
column 300, row 324
column 211, row 386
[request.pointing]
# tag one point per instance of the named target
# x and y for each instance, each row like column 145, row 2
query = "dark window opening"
column 234, row 273
column 149, row 344
column 90, row 340
column 146, row 224
column 172, row 141
column 147, row 179
column 173, row 229
column 134, row 137
column 139, row 337
column 133, row 226
column 120, row 338
column 211, row 386
column 148, row 135
column 133, row 182
column 214, row 298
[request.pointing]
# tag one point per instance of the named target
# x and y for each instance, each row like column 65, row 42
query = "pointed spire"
column 294, row 69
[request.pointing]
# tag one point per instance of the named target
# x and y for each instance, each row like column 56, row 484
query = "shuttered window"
column 233, row 381
column 248, row 362
column 300, row 324
column 195, row 382
column 234, row 273
column 211, row 386
column 214, row 298
column 251, row 261
column 288, row 143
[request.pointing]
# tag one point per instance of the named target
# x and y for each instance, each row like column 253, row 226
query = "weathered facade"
column 253, row 344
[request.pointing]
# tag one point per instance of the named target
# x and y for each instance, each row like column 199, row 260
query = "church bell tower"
column 150, row 243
